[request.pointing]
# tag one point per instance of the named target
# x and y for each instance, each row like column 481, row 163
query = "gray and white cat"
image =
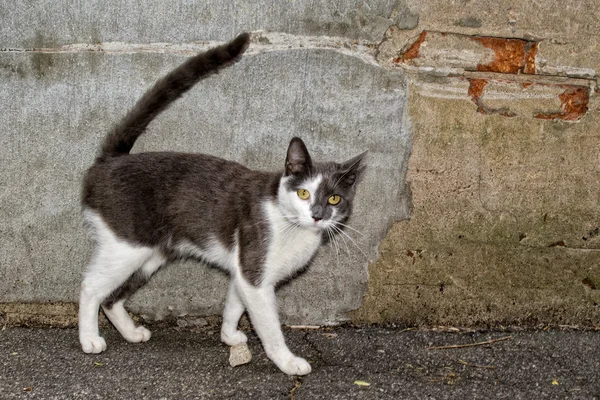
column 147, row 209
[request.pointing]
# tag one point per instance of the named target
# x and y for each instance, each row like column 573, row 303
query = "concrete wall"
column 70, row 70
column 495, row 100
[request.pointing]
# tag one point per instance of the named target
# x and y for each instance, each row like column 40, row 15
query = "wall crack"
column 262, row 42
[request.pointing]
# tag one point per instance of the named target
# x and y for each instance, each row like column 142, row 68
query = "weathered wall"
column 69, row 70
column 496, row 100
column 504, row 168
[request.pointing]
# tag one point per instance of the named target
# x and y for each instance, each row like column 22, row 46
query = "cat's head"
column 317, row 195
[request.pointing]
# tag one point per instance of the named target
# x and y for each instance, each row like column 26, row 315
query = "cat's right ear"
column 298, row 160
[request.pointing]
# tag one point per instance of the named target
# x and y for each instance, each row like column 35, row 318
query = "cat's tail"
column 168, row 89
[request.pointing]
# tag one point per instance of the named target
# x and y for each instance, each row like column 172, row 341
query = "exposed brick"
column 413, row 50
column 530, row 52
column 511, row 62
column 509, row 55
column 526, row 84
column 476, row 88
column 573, row 104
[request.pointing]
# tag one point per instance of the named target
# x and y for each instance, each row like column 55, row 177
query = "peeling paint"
column 574, row 104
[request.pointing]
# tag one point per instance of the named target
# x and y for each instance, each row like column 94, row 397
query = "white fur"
column 214, row 252
column 234, row 308
column 293, row 207
column 120, row 319
column 112, row 263
column 290, row 247
column 295, row 239
column 262, row 307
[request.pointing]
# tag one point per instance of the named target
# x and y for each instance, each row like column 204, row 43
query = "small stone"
column 199, row 322
column 239, row 355
column 182, row 323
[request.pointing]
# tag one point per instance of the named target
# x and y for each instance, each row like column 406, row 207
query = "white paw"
column 233, row 339
column 295, row 366
column 92, row 344
column 139, row 334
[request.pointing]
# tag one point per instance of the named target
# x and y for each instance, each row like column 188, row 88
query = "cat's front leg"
column 234, row 308
column 262, row 307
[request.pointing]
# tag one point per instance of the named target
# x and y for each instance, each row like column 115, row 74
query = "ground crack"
column 297, row 384
column 312, row 345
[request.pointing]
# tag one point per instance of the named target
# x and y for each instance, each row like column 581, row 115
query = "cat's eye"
column 333, row 200
column 303, row 194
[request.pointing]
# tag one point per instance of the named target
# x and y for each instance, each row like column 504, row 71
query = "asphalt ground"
column 347, row 363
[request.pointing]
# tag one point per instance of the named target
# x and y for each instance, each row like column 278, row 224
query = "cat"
column 146, row 209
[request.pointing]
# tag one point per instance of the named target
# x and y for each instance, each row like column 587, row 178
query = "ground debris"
column 458, row 346
column 476, row 365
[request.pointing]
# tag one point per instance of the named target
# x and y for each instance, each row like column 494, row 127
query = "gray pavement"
column 180, row 363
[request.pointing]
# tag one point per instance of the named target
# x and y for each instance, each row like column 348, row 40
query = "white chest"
column 290, row 248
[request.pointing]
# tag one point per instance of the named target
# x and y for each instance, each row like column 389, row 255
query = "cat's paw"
column 92, row 344
column 139, row 334
column 235, row 338
column 295, row 366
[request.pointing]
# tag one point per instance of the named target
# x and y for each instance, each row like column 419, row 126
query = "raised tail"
column 168, row 89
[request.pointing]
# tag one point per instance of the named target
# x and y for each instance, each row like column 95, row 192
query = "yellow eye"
column 333, row 200
column 303, row 194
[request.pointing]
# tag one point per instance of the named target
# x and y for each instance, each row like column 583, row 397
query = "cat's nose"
column 317, row 219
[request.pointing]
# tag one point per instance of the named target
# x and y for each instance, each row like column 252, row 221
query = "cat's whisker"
column 336, row 249
column 287, row 231
column 346, row 244
column 284, row 231
column 339, row 251
column 352, row 240
column 348, row 226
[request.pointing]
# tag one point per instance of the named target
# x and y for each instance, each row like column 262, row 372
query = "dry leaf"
column 555, row 382
column 27, row 389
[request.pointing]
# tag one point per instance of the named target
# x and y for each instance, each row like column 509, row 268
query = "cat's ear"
column 298, row 160
column 352, row 169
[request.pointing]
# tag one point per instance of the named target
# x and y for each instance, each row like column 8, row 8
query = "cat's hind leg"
column 113, row 305
column 118, row 316
column 234, row 308
column 110, row 268
column 113, row 262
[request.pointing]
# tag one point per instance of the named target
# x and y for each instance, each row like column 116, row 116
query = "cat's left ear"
column 297, row 161
column 352, row 170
